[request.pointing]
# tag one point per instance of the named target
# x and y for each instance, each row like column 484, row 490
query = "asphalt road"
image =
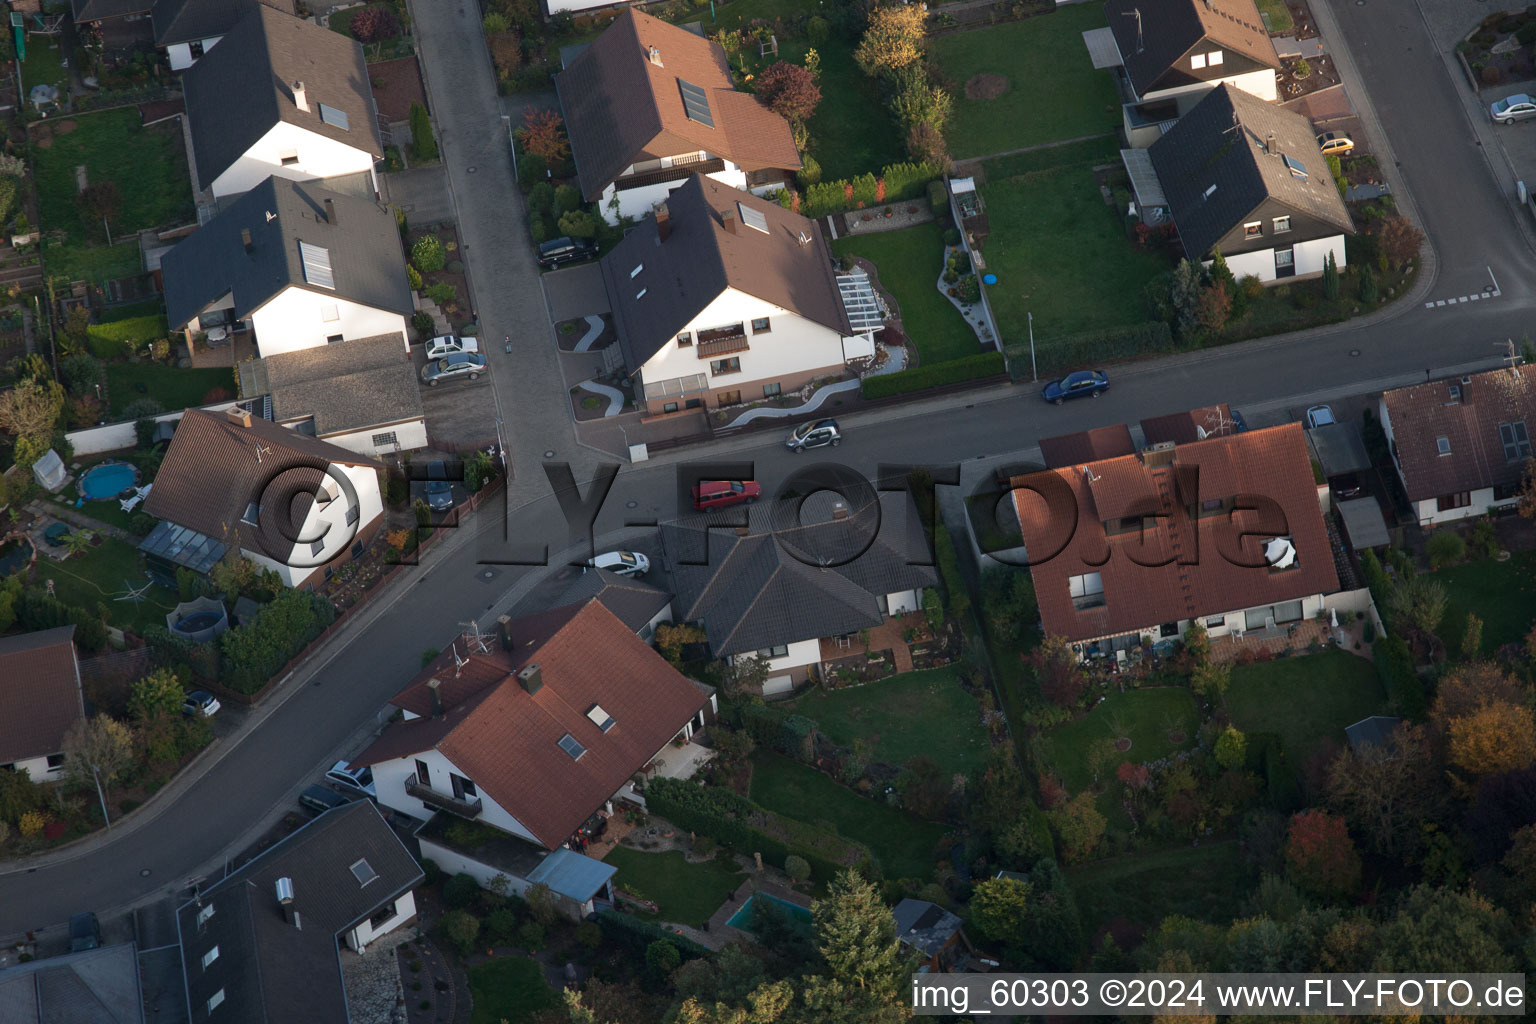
column 327, row 709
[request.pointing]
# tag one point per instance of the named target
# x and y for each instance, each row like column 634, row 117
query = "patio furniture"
column 56, row 533
column 131, row 502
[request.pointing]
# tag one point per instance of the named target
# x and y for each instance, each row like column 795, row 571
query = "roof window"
column 569, row 744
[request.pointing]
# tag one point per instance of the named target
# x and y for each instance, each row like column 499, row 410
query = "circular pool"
column 16, row 553
column 199, row 621
column 107, row 480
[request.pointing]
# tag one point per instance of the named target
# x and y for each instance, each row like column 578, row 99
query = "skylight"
column 334, row 117
column 363, row 872
column 753, row 218
column 570, row 746
column 317, row 265
column 1297, row 168
column 1443, row 444
column 600, row 718
column 696, row 103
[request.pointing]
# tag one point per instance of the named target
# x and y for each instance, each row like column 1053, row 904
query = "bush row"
column 635, row 934
column 1394, row 666
column 121, row 337
column 255, row 652
column 37, row 611
column 895, row 183
column 1266, row 755
column 954, row 371
column 1089, row 347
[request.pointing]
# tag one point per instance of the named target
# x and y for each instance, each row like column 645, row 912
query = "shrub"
column 530, row 936
column 372, row 24
column 541, row 198
column 797, row 868
column 428, row 255
column 951, row 236
column 441, row 293
column 422, row 324
column 1526, row 34
column 460, row 928
column 1090, row 347
column 423, row 145
column 817, row 30
column 577, row 224
column 413, row 277
column 932, row 375
column 495, row 23
column 1368, row 288
column 81, row 373
column 461, row 890
column 567, row 199
column 531, row 169
column 1445, row 547
column 810, row 171
column 257, row 650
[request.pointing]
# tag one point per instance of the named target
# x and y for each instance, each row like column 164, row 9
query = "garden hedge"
column 902, row 182
column 255, row 652
column 1075, row 351
column 1394, row 667
column 933, row 375
column 120, row 338
column 636, row 934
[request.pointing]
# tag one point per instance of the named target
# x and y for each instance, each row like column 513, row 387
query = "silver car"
column 1513, row 108
column 455, row 366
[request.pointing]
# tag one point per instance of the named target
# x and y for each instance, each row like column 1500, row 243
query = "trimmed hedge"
column 635, row 934
column 1394, row 667
column 1090, row 347
column 977, row 367
column 747, row 828
column 255, row 652
column 1266, row 756
column 120, row 338
column 902, row 182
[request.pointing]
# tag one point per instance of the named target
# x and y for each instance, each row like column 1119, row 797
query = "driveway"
column 422, row 192
column 576, row 291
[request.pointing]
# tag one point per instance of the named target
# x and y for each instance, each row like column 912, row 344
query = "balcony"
column 442, row 801
column 677, row 172
column 722, row 347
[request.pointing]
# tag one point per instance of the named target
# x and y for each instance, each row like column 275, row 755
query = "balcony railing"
column 664, row 174
column 442, row 801
column 723, row 347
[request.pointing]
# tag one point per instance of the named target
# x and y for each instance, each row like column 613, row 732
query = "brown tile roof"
column 1272, row 464
column 507, row 741
column 1171, row 28
column 40, row 689
column 1087, row 446
column 1422, row 414
column 211, row 472
column 620, row 108
column 700, row 259
column 1194, row 425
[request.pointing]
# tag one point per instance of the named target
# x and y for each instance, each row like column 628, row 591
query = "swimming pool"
column 107, row 480
column 743, row 917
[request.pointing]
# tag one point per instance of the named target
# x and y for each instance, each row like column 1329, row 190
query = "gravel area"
column 374, row 995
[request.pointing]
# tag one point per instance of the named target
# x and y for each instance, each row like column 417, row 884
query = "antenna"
column 458, row 662
column 474, row 639
column 1217, row 423
column 1511, row 357
column 1087, row 472
column 1135, row 12
column 262, row 449
column 271, row 216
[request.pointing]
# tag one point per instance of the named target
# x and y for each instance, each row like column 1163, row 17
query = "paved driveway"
column 422, row 192
column 576, row 291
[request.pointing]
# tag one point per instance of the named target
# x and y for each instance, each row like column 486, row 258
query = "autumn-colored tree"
column 1400, row 241
column 1078, row 826
column 1472, row 636
column 1388, row 791
column 1000, row 908
column 375, row 23
column 1213, row 307
column 158, row 693
column 789, row 90
column 893, row 40
column 925, row 145
column 30, row 409
column 1058, row 671
column 671, row 638
column 543, row 135
column 1133, row 776
column 1498, row 737
column 1469, row 688
column 96, row 750
column 1320, row 856
column 1210, row 680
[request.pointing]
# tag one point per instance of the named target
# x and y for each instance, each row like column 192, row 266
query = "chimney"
column 1269, row 143
column 298, row 97
column 434, row 686
column 663, row 222
column 728, row 220
column 839, row 511
column 653, row 55
column 239, row 415
column 330, row 211
column 284, row 888
column 245, row 240
column 531, row 678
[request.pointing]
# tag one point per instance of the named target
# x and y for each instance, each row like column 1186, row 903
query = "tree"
column 1330, row 278
column 1400, row 241
column 1135, row 777
column 1444, row 930
column 1231, row 749
column 423, row 145
column 926, row 145
column 1197, row 644
column 924, row 787
column 744, row 675
column 541, row 904
column 97, row 748
column 158, row 693
column 1184, row 297
column 922, row 103
column 1471, row 637
column 1320, row 857
column 543, row 135
column 461, row 890
column 789, row 90
column 79, row 542
column 1058, row 671
column 1008, row 602
column 1210, row 680
column 1445, row 547
column 1418, row 602
column 1078, row 826
column 461, row 928
column 1387, row 791
column 1213, row 307
column 1369, row 292
column 672, row 638
column 77, row 325
column 893, row 40
column 1470, row 688
column 577, row 224
column 31, row 409
column 374, row 24
column 1497, row 738
column 797, row 867
column 82, row 372
column 428, row 255
column 99, row 202
column 857, row 935
column 1000, row 908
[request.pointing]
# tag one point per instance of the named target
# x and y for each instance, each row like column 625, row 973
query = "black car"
column 317, row 799
column 84, row 932
column 439, row 490
column 559, row 251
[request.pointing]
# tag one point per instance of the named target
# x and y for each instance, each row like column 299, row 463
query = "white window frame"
column 1282, row 224
column 330, row 313
column 1197, row 61
column 1215, row 57
column 1253, row 229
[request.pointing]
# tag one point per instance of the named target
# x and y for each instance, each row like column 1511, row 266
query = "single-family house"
column 120, row 24
column 934, row 935
column 726, row 298
column 1461, row 444
column 1226, row 531
column 531, row 734
column 299, row 265
column 1247, row 178
column 787, row 591
column 287, row 98
column 1192, row 425
column 265, row 942
column 649, row 104
column 639, row 605
column 293, row 504
column 1169, row 53
column 362, row 396
column 187, row 29
column 95, row 986
column 40, row 686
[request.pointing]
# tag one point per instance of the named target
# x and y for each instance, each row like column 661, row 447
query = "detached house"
column 40, row 687
column 649, row 104
column 726, row 298
column 300, row 265
column 187, row 29
column 1461, row 445
column 122, row 24
column 1246, row 177
column 283, row 97
column 224, row 484
column 1226, row 531
column 1170, row 53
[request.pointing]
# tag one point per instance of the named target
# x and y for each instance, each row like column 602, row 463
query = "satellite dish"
column 1280, row 553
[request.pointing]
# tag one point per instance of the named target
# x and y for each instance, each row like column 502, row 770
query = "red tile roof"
column 1422, row 414
column 507, row 740
column 40, row 689
column 1087, row 446
column 1270, row 464
column 1194, row 425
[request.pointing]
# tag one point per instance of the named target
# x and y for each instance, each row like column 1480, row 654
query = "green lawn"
column 507, row 990
column 901, row 717
column 686, row 893
column 148, row 165
column 1502, row 594
column 909, row 262
column 1278, row 14
column 903, row 844
column 1053, row 92
column 102, row 573
column 1307, row 699
column 1208, row 882
column 171, row 387
column 77, row 261
column 1146, row 717
column 43, row 64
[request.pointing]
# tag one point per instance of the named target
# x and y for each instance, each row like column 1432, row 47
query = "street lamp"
column 96, row 774
column 501, row 445
column 1033, row 372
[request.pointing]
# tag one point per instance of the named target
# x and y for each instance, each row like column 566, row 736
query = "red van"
column 709, row 494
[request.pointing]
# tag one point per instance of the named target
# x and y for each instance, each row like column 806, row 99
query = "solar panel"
column 570, row 746
column 753, row 218
column 1298, row 169
column 696, row 103
column 317, row 265
column 332, row 116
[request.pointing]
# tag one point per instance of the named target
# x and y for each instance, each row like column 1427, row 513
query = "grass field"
column 1207, row 882
column 1278, row 15
column 99, row 575
column 685, row 893
column 173, row 388
column 903, row 844
column 1307, row 700
column 1502, row 594
column 1054, row 91
column 909, row 262
column 97, row 264
column 508, row 990
column 1145, row 717
column 44, row 64
column 901, row 717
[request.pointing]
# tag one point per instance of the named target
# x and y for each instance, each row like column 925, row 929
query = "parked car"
column 558, row 251
column 1076, row 385
column 200, row 702
column 448, row 344
column 1238, row 421
column 1513, row 108
column 353, row 780
column 1346, row 485
column 1320, row 416
column 723, row 493
column 84, row 932
column 621, row 563
column 439, row 490
column 459, row 365
column 317, row 799
column 814, row 435
column 1336, row 143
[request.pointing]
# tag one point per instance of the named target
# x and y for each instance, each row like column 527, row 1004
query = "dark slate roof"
column 1375, row 731
column 40, row 690
column 98, row 986
column 244, row 86
column 633, row 602
column 1203, row 150
column 268, row 969
column 367, row 262
column 763, row 588
column 182, row 21
column 1171, row 28
column 87, row 11
column 924, row 926
column 342, row 388
column 700, row 259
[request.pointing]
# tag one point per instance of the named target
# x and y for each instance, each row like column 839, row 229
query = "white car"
column 354, row 780
column 1513, row 108
column 200, row 702
column 1319, row 416
column 447, row 344
column 621, row 563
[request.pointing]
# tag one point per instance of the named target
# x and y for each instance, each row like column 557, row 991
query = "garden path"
column 80, row 519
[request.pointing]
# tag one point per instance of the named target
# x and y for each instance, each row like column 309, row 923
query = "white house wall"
column 180, row 54
column 452, row 862
column 329, row 517
column 903, row 602
column 295, row 320
column 649, row 629
column 1312, row 254
column 1430, row 513
column 359, row 938
column 319, row 156
column 37, row 769
column 801, row 652
column 556, row 6
column 409, row 436
column 638, row 202
column 389, row 778
column 1259, row 83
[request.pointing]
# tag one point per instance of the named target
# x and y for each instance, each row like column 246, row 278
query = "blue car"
column 1076, row 385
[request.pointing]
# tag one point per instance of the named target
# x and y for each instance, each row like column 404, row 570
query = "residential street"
column 322, row 712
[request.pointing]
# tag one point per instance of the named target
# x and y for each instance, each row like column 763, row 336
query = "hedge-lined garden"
column 932, row 375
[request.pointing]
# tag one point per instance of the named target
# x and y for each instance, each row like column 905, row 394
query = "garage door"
column 776, row 685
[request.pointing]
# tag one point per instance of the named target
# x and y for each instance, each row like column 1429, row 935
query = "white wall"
column 328, row 521
column 360, row 937
column 410, row 435
column 37, row 769
column 452, row 862
column 180, row 54
column 1259, row 83
column 556, row 6
column 389, row 781
column 801, row 652
column 1308, row 256
column 292, row 321
column 649, row 629
column 1430, row 515
column 117, row 436
column 903, row 602
column 860, row 346
column 319, row 156
column 637, row 202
